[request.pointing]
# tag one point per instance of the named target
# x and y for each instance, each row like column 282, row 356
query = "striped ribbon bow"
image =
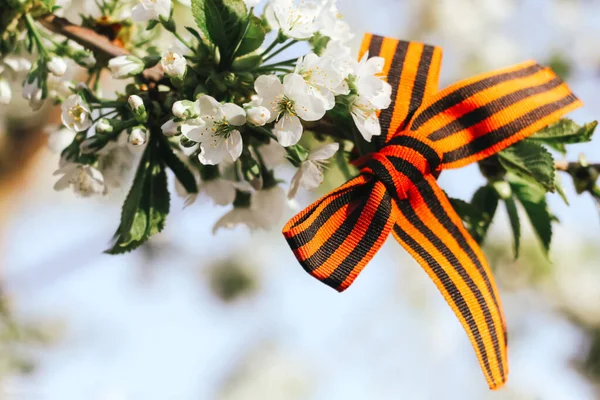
column 424, row 132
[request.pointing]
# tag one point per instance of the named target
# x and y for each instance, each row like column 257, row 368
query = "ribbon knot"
column 424, row 132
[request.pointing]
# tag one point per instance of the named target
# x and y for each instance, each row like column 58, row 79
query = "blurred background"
column 233, row 316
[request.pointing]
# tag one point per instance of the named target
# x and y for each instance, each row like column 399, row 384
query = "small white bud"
column 33, row 93
column 184, row 109
column 135, row 102
column 125, row 66
column 104, row 126
column 258, row 116
column 170, row 128
column 137, row 137
column 57, row 66
column 5, row 91
column 85, row 59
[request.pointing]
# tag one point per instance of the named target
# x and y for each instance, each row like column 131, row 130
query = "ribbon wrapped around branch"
column 424, row 132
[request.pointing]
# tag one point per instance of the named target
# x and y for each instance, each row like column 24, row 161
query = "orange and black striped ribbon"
column 424, row 132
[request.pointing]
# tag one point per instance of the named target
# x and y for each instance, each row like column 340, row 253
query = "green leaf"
column 485, row 199
column 253, row 38
column 533, row 200
column 222, row 22
column 515, row 223
column 147, row 205
column 560, row 189
column 181, row 171
column 530, row 161
column 565, row 132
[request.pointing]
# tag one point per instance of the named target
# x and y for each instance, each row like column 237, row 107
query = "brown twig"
column 100, row 45
column 566, row 165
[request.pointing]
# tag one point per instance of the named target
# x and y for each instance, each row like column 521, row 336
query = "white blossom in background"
column 59, row 137
column 32, row 92
column 171, row 128
column 115, row 161
column 332, row 24
column 220, row 191
column 174, row 63
column 321, row 76
column 244, row 216
column 373, row 94
column 288, row 102
column 271, row 203
column 123, row 67
column 343, row 59
column 76, row 113
column 252, row 3
column 5, row 91
column 85, row 180
column 310, row 174
column 146, row 10
column 273, row 154
column 57, row 66
column 59, row 89
column 298, row 21
column 219, row 137
column 15, row 64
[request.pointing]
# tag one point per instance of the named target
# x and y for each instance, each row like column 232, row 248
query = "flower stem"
column 285, row 63
column 36, row 35
column 271, row 47
column 281, row 49
column 185, row 42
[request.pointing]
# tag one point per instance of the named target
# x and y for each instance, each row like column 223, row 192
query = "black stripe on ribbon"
column 463, row 93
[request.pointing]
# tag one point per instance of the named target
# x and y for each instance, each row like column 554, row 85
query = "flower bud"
column 258, row 116
column 123, row 67
column 85, row 59
column 137, row 137
column 170, row 128
column 137, row 106
column 184, row 109
column 33, row 93
column 57, row 66
column 104, row 126
column 174, row 64
column 5, row 91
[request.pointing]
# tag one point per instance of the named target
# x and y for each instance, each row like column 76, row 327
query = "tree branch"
column 100, row 45
column 565, row 166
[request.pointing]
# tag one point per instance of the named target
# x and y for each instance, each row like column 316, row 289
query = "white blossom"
column 174, row 63
column 5, row 91
column 273, row 154
column 122, row 67
column 252, row 3
column 16, row 64
column 185, row 109
column 76, row 113
column 219, row 138
column 59, row 89
column 115, row 161
column 32, row 92
column 220, row 191
column 57, row 66
column 146, row 10
column 322, row 77
column 135, row 102
column 286, row 102
column 85, row 180
column 373, row 94
column 137, row 137
column 297, row 21
column 310, row 174
column 331, row 23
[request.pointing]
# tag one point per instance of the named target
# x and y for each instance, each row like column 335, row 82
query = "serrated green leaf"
column 565, row 132
column 560, row 189
column 147, row 205
column 222, row 22
column 530, row 161
column 534, row 202
column 515, row 223
column 253, row 38
column 181, row 171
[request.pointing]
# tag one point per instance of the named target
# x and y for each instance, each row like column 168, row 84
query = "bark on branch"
column 100, row 45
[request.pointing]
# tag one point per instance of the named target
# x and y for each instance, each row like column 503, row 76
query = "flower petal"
column 324, row 152
column 234, row 114
column 288, row 130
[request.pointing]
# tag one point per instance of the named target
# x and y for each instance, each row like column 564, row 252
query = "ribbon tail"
column 480, row 116
column 335, row 237
column 430, row 230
